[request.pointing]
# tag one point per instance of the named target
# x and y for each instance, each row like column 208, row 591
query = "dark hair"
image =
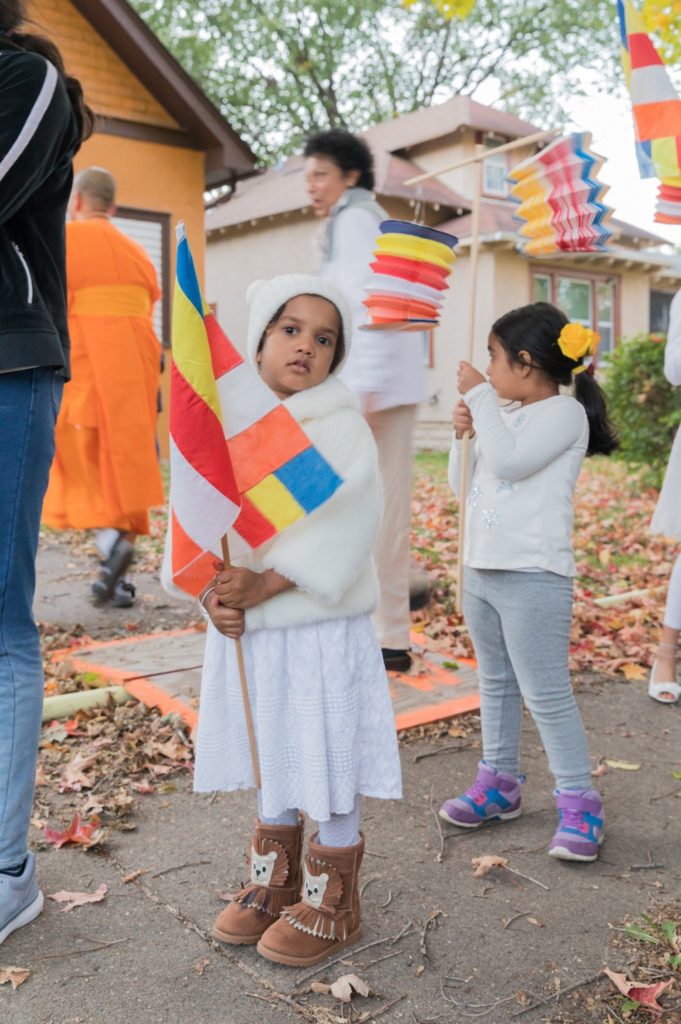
column 347, row 152
column 535, row 329
column 338, row 352
column 12, row 15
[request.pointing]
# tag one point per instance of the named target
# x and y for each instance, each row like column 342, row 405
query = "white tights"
column 339, row 830
column 672, row 614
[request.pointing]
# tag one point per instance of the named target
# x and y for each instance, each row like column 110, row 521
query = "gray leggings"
column 520, row 625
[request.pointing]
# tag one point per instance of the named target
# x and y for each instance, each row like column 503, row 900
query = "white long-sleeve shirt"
column 524, row 464
column 672, row 351
column 384, row 369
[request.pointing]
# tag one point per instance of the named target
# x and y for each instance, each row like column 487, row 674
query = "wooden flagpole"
column 507, row 147
column 480, row 153
column 472, row 296
column 244, row 685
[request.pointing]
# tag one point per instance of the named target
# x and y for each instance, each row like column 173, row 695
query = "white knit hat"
column 266, row 297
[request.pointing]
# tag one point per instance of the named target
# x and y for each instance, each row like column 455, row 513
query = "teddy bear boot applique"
column 327, row 917
column 274, row 884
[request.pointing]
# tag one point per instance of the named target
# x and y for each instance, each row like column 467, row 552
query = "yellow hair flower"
column 576, row 341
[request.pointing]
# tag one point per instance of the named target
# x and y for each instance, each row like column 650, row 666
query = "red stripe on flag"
column 252, row 525
column 223, row 354
column 198, row 434
column 642, row 52
column 192, row 567
column 265, row 446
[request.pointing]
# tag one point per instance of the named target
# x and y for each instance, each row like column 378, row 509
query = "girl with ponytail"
column 43, row 119
column 519, row 564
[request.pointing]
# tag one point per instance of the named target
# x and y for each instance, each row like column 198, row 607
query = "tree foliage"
column 279, row 69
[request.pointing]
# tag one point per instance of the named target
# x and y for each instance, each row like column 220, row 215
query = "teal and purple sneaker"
column 580, row 828
column 494, row 796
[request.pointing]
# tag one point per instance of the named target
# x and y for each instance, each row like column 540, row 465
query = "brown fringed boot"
column 275, row 884
column 328, row 916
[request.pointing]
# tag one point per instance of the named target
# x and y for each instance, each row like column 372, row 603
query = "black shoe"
column 124, row 594
column 420, row 594
column 116, row 565
column 396, row 661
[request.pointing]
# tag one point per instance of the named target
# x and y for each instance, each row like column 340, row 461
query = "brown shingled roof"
column 430, row 123
column 227, row 155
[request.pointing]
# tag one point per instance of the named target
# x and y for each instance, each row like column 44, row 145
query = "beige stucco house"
column 267, row 228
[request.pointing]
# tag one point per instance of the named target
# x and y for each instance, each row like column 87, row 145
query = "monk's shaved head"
column 97, row 187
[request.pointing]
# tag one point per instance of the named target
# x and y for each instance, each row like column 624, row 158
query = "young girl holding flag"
column 519, row 561
column 322, row 711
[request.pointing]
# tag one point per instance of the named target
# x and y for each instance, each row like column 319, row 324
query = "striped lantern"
column 410, row 272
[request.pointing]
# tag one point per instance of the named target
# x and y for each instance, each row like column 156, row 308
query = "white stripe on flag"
column 651, row 85
column 244, row 399
column 202, row 511
column 31, row 123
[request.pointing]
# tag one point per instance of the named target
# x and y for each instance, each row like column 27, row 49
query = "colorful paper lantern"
column 406, row 289
column 560, row 199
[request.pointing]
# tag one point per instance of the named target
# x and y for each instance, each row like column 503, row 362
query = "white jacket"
column 667, row 515
column 522, row 474
column 328, row 553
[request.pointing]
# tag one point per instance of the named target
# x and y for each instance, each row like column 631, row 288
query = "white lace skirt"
column 322, row 712
column 667, row 515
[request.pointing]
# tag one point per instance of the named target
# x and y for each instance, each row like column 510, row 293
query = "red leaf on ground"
column 83, row 833
column 645, row 995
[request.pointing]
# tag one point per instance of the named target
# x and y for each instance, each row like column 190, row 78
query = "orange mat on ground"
column 164, row 670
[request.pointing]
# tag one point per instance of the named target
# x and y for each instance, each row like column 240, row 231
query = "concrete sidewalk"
column 145, row 953
column 447, row 945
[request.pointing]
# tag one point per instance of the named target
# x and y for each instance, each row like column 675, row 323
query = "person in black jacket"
column 42, row 121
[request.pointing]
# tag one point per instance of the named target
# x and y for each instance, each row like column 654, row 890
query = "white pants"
column 392, row 430
column 672, row 615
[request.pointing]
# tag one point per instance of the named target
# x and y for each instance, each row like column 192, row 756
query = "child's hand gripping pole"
column 244, row 686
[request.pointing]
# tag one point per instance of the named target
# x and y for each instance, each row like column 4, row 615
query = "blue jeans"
column 29, row 403
column 520, row 626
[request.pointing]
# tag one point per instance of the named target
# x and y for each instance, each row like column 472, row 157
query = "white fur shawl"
column 328, row 553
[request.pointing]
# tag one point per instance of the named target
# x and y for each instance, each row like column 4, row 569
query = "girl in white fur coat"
column 322, row 712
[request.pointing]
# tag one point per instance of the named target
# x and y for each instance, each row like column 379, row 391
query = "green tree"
column 279, row 69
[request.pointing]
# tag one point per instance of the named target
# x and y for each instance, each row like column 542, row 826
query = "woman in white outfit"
column 385, row 370
column 663, row 684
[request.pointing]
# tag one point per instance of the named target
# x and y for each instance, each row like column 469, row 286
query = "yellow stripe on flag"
column 275, row 502
column 635, row 21
column 191, row 351
column 666, row 157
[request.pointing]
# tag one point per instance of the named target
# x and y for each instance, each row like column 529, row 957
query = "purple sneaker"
column 494, row 796
column 580, row 829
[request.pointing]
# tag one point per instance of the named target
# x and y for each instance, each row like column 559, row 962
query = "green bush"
column 643, row 405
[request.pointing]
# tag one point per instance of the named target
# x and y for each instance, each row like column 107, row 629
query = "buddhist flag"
column 238, row 459
column 657, row 112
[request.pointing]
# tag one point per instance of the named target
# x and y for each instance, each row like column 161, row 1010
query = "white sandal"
column 665, row 692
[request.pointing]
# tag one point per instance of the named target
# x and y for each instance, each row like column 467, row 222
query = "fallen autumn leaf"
column 79, row 899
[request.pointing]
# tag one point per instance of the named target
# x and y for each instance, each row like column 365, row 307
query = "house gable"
column 111, row 89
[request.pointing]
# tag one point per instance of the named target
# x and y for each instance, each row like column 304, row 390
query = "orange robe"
column 106, row 471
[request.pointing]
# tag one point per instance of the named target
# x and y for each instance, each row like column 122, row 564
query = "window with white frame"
column 494, row 169
column 585, row 299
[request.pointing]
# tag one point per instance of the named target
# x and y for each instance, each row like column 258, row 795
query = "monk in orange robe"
column 106, row 473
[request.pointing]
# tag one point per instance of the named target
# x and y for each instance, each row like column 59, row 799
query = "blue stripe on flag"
column 186, row 276
column 623, row 25
column 309, row 478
